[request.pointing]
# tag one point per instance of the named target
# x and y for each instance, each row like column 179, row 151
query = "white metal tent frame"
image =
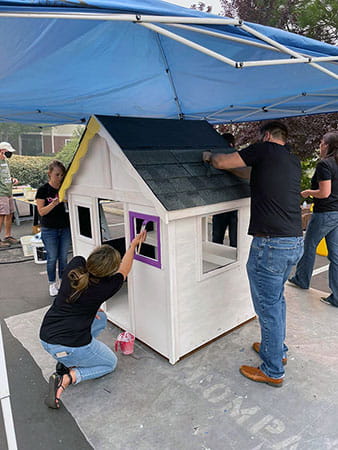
column 151, row 22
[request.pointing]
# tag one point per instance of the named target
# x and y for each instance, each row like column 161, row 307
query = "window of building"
column 150, row 250
column 85, row 226
column 112, row 227
column 219, row 240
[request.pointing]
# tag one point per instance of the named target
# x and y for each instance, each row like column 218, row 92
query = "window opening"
column 112, row 228
column 150, row 250
column 84, row 221
column 219, row 240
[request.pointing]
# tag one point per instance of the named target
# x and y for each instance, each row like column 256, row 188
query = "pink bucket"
column 126, row 342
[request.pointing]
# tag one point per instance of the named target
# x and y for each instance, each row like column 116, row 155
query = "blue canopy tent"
column 62, row 61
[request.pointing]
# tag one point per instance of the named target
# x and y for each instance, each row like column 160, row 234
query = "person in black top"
column 55, row 229
column 70, row 327
column 324, row 220
column 277, row 244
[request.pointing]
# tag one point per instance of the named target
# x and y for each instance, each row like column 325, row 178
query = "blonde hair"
column 55, row 164
column 102, row 262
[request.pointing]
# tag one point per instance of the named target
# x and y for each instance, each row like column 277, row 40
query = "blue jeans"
column 321, row 225
column 269, row 265
column 57, row 242
column 89, row 361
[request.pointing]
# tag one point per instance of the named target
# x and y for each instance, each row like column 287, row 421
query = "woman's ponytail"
column 79, row 280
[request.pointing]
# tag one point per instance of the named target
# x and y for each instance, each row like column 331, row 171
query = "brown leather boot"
column 255, row 374
column 257, row 345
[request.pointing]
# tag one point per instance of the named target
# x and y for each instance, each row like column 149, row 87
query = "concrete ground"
column 200, row 403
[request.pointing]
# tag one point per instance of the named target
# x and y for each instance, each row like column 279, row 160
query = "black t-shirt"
column 57, row 217
column 69, row 324
column 327, row 169
column 275, row 187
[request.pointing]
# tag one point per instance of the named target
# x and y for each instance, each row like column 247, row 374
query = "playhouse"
column 131, row 173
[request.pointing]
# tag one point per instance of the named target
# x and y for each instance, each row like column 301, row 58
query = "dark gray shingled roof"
column 168, row 156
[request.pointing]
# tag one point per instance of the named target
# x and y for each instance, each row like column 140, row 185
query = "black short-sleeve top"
column 57, row 217
column 275, row 190
column 327, row 169
column 69, row 324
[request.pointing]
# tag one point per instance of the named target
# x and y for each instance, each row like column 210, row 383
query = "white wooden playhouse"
column 184, row 290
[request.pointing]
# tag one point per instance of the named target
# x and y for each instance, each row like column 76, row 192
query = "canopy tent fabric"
column 64, row 61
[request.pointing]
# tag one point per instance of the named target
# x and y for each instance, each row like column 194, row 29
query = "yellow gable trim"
column 92, row 129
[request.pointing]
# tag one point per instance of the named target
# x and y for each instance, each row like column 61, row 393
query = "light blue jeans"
column 89, row 361
column 57, row 242
column 269, row 265
column 324, row 224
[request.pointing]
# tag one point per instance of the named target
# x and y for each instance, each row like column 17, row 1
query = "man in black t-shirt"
column 277, row 245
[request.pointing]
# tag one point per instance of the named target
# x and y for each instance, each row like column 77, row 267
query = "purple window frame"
column 135, row 215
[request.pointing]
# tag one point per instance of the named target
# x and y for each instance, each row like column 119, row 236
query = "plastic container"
column 30, row 194
column 26, row 242
column 126, row 342
column 39, row 251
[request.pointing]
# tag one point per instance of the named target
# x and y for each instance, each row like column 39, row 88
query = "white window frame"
column 202, row 230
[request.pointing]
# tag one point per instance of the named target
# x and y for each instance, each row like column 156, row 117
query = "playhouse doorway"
column 112, row 232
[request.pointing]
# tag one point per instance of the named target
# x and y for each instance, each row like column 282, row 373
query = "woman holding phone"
column 55, row 229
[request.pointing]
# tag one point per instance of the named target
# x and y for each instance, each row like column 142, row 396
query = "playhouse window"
column 150, row 251
column 216, row 249
column 112, row 228
column 84, row 221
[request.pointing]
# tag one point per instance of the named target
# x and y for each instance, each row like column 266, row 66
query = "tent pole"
column 320, row 106
column 224, row 36
column 220, row 111
column 284, row 49
column 168, row 71
column 188, row 43
column 121, row 17
column 300, row 60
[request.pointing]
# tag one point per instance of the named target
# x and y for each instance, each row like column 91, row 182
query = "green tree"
column 318, row 19
column 67, row 152
column 313, row 18
column 274, row 13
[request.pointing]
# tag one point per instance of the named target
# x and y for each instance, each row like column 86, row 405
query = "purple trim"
column 146, row 218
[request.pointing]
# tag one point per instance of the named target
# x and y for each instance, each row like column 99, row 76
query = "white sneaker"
column 53, row 290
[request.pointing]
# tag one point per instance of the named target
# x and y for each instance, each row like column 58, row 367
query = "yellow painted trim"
column 92, row 129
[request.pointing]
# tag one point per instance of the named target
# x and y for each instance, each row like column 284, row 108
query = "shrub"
column 308, row 168
column 67, row 152
column 30, row 169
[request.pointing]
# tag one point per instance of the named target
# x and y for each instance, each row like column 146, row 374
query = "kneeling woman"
column 71, row 325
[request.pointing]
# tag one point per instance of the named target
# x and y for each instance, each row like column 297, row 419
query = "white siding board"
column 150, row 305
column 92, row 167
column 211, row 306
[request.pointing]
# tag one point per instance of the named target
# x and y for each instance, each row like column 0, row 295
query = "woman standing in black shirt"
column 324, row 220
column 55, row 230
column 69, row 328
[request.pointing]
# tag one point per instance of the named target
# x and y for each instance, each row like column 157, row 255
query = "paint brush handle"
column 143, row 227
